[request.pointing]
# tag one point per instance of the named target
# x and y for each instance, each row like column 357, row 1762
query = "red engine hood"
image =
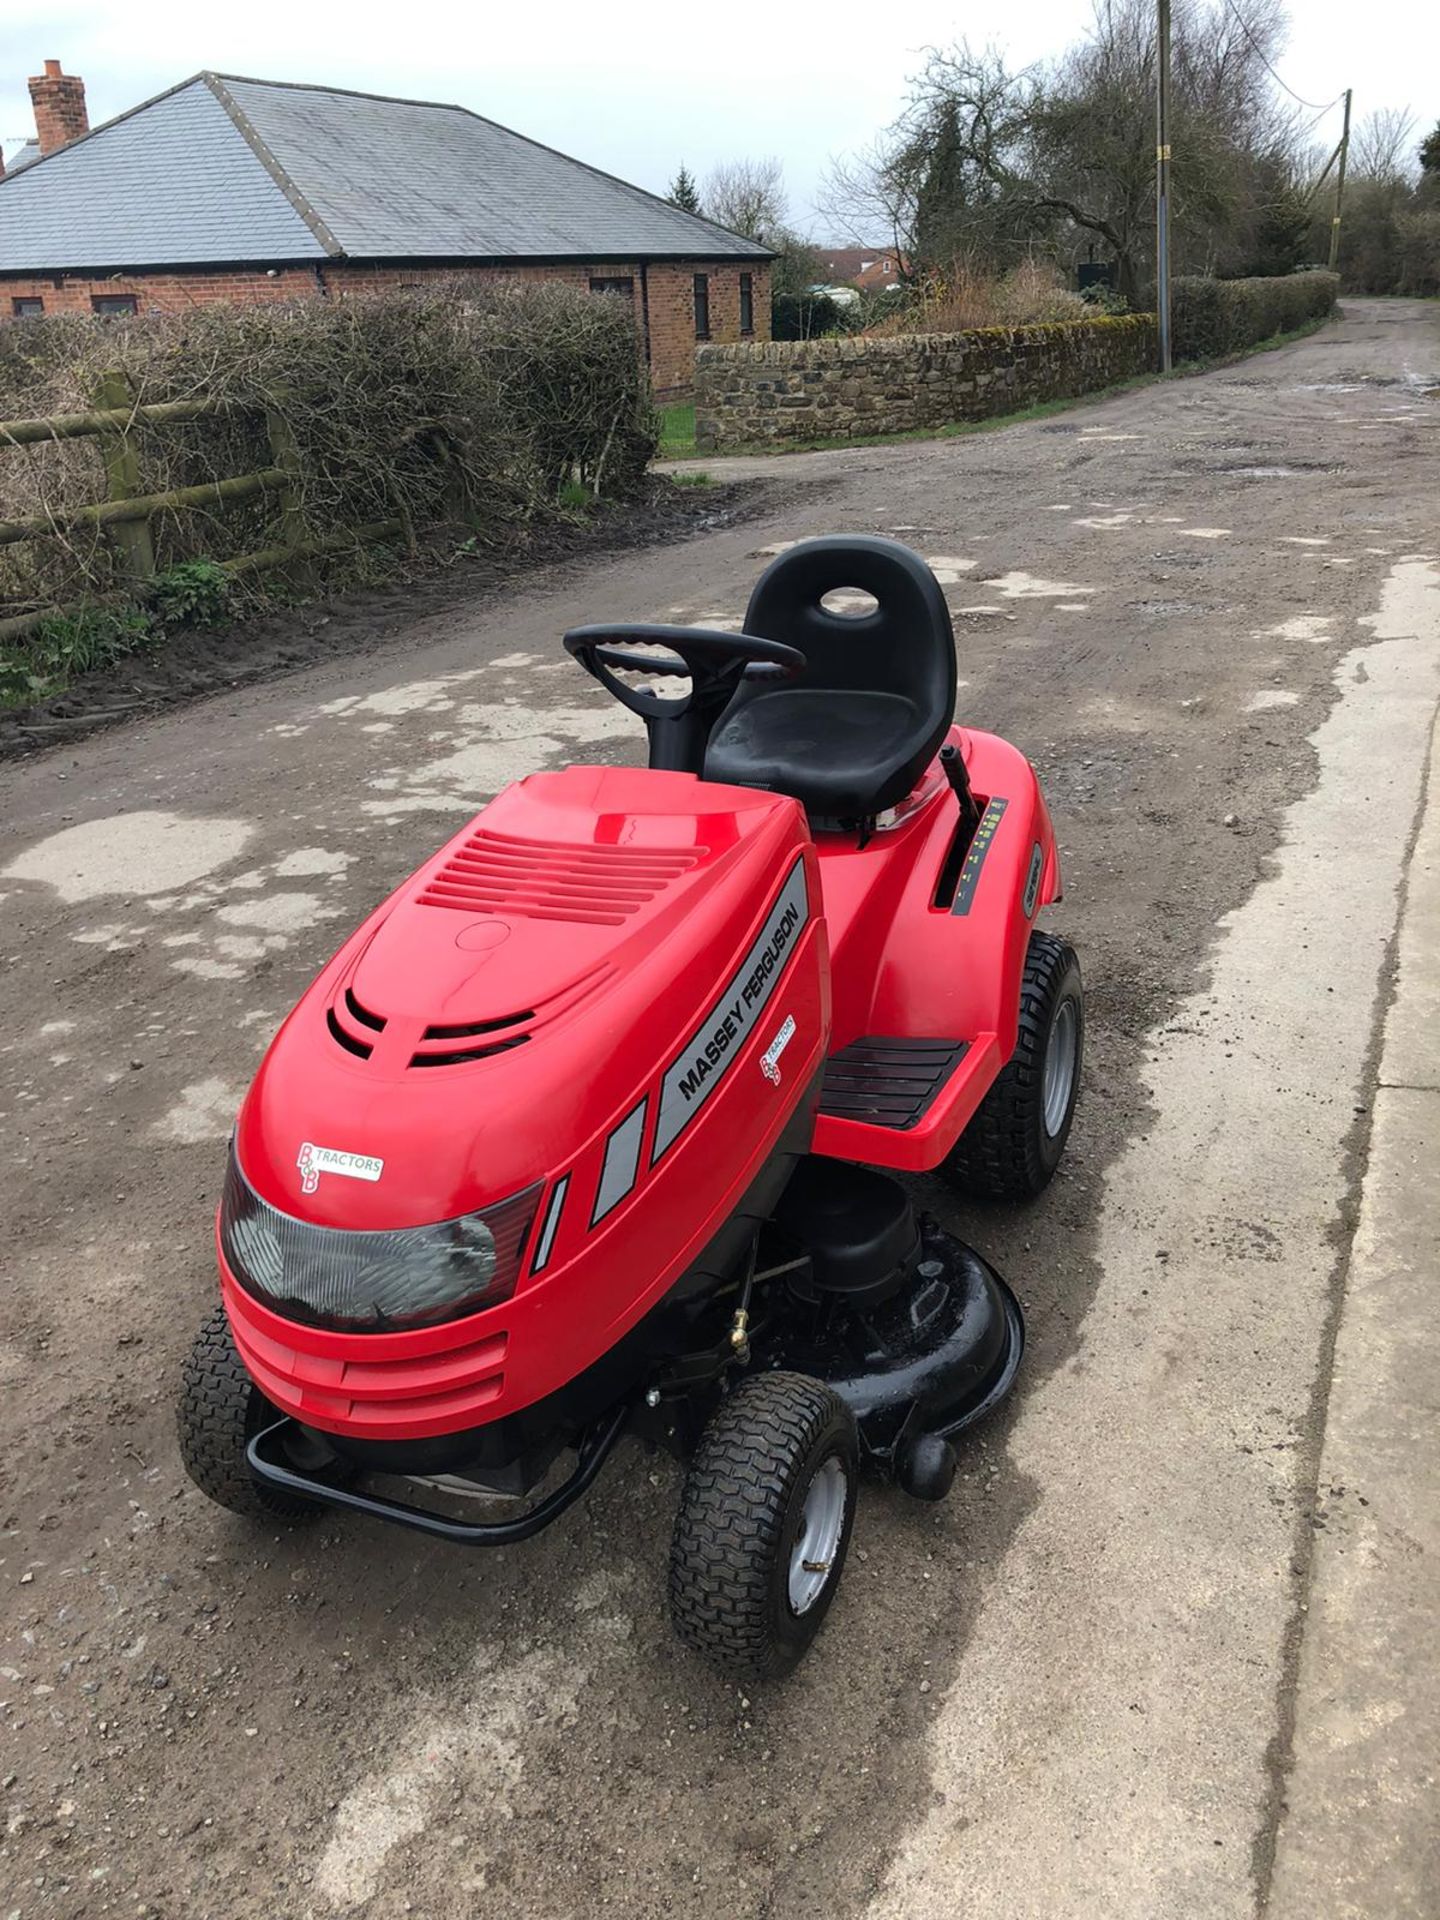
column 522, row 990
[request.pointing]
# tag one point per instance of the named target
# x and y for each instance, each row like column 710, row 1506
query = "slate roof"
column 24, row 156
column 222, row 170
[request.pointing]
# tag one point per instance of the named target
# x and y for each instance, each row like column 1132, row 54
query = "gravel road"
column 1207, row 610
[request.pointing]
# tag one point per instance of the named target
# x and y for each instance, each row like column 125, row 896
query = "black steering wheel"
column 715, row 663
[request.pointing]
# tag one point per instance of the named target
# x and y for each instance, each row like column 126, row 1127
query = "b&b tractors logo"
column 313, row 1161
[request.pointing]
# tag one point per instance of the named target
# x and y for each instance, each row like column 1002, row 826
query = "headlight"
column 372, row 1282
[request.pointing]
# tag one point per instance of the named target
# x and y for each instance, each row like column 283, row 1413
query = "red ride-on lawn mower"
column 582, row 1131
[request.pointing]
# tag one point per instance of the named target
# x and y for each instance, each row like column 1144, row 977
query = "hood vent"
column 461, row 1056
column 487, row 1037
column 352, row 1026
column 479, row 1026
column 538, row 880
column 356, row 1028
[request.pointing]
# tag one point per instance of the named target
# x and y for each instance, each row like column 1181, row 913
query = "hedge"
column 481, row 405
column 1210, row 318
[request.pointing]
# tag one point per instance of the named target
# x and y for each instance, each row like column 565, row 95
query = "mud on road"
column 439, row 578
column 1206, row 610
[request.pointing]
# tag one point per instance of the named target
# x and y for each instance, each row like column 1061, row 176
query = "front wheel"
column 220, row 1411
column 1013, row 1145
column 764, row 1524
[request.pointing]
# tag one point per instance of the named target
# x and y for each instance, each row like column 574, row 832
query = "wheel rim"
column 812, row 1558
column 1060, row 1052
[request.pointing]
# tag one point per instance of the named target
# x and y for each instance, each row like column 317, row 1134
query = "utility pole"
column 1340, row 187
column 1162, row 181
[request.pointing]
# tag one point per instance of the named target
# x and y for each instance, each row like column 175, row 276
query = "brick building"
column 254, row 190
column 870, row 268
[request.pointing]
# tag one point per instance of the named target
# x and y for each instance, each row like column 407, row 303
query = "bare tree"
column 747, row 196
column 993, row 162
column 871, row 198
column 1380, row 149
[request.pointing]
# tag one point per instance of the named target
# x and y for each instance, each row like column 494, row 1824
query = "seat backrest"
column 904, row 645
column 902, row 648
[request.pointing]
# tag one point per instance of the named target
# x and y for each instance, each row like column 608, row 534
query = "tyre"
column 764, row 1524
column 1013, row 1145
column 220, row 1412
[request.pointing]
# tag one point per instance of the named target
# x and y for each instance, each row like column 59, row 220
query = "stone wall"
column 835, row 388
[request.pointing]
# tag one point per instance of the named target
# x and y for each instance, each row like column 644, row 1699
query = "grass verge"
column 677, row 430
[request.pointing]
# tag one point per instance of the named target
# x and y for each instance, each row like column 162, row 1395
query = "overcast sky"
column 637, row 86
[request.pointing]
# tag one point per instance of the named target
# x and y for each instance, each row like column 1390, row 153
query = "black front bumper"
column 270, row 1462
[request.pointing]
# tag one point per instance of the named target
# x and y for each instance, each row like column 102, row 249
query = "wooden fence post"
column 290, row 502
column 134, row 548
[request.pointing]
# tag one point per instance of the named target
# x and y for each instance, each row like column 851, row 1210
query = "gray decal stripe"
column 622, row 1160
column 552, row 1221
column 703, row 1061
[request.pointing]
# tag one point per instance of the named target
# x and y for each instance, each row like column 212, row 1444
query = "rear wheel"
column 1013, row 1145
column 220, row 1412
column 764, row 1524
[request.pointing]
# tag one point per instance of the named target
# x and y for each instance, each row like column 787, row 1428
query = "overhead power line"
column 1259, row 52
column 1310, row 127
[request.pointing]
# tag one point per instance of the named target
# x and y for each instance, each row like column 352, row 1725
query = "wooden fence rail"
column 125, row 514
column 142, row 506
column 75, row 426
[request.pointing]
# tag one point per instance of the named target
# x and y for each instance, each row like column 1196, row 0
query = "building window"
column 25, row 306
column 111, row 304
column 747, row 303
column 620, row 284
column 702, row 306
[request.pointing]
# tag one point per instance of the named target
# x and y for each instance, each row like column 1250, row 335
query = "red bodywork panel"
column 620, row 951
column 901, row 966
column 612, row 909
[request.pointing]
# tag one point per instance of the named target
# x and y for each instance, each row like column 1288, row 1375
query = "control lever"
column 956, row 772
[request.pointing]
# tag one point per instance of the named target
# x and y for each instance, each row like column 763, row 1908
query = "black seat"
column 854, row 734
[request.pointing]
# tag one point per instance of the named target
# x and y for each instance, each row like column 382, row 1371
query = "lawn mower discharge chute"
column 591, row 1128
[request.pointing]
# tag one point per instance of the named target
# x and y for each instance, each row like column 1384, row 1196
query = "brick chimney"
column 59, row 101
